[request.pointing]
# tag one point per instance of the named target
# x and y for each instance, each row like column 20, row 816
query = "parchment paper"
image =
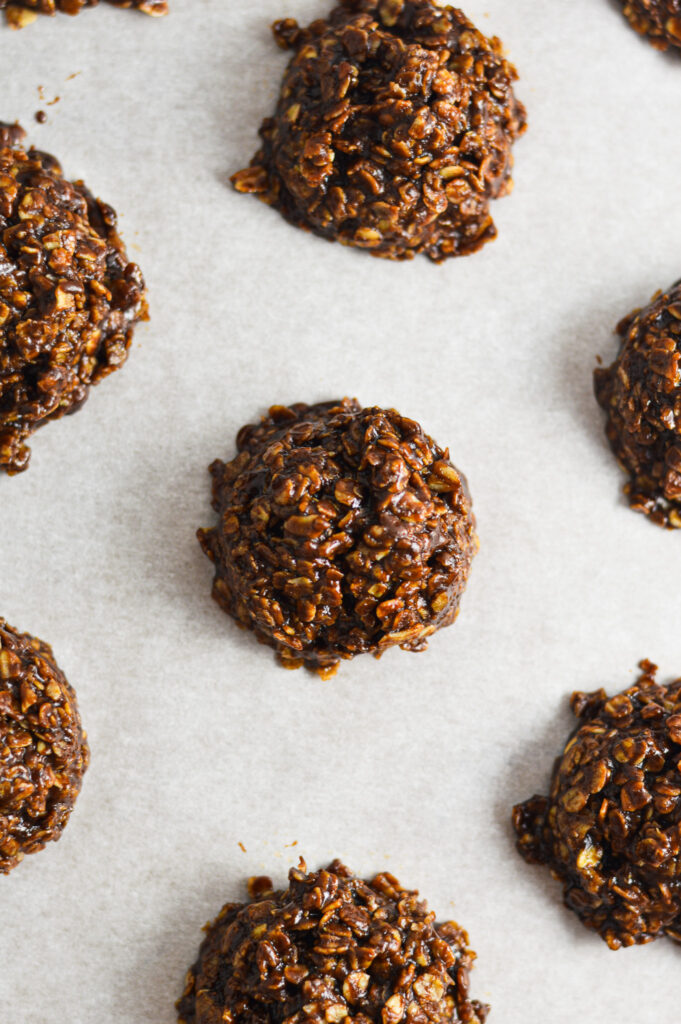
column 200, row 742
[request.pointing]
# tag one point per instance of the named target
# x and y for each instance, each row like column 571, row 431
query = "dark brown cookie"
column 328, row 949
column 341, row 530
column 21, row 12
column 610, row 828
column 43, row 749
column 393, row 130
column 660, row 20
column 641, row 393
column 69, row 297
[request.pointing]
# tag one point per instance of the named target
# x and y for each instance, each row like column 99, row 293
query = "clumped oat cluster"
column 393, row 129
column 21, row 12
column 660, row 20
column 341, row 530
column 610, row 828
column 69, row 297
column 641, row 393
column 330, row 949
column 43, row 750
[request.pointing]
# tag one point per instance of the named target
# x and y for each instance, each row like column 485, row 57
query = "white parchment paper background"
column 199, row 741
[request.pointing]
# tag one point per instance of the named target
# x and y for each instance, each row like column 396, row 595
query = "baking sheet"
column 200, row 743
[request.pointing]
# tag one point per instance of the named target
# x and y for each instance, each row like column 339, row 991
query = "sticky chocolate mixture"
column 328, row 949
column 43, row 749
column 341, row 530
column 610, row 828
column 393, row 129
column 21, row 12
column 69, row 297
column 660, row 20
column 641, row 393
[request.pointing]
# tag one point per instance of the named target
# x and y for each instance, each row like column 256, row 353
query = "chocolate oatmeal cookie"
column 641, row 393
column 341, row 530
column 69, row 296
column 393, row 130
column 21, row 12
column 660, row 20
column 610, row 828
column 43, row 749
column 328, row 949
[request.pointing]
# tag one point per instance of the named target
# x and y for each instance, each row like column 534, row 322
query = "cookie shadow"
column 588, row 343
column 168, row 952
column 527, row 773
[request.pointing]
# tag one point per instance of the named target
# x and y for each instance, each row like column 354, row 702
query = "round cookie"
column 393, row 130
column 341, row 530
column 43, row 749
column 69, row 297
column 641, row 393
column 328, row 949
column 610, row 828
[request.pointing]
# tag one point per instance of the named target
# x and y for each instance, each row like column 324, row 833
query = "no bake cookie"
column 43, row 749
column 69, row 296
column 393, row 130
column 331, row 948
column 341, row 530
column 610, row 828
